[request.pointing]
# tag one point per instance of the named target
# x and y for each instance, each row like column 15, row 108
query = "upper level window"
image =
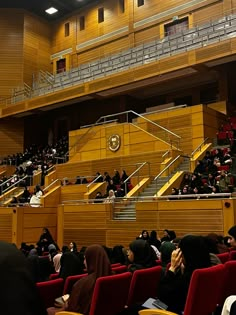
column 176, row 26
column 140, row 3
column 122, row 6
column 82, row 23
column 67, row 29
column 100, row 15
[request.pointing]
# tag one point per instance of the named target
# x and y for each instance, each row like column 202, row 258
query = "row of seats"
column 208, row 288
column 128, row 289
column 148, row 52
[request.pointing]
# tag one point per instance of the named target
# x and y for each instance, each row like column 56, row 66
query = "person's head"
column 19, row 294
column 111, row 193
column 45, row 230
column 166, row 233
column 140, row 253
column 153, row 234
column 174, row 191
column 145, row 235
column 73, row 247
column 96, row 261
column 118, row 254
column 232, row 236
column 166, row 250
column 195, row 252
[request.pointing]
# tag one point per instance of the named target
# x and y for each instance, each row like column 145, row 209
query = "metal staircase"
column 124, row 211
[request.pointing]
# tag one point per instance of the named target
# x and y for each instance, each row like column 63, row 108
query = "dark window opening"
column 176, row 26
column 67, row 29
column 82, row 23
column 100, row 15
column 122, row 6
column 140, row 3
column 61, row 65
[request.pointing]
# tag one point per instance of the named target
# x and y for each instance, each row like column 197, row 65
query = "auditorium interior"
column 143, row 86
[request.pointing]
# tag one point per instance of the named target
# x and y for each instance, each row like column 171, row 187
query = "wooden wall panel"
column 11, row 53
column 11, row 137
column 37, row 47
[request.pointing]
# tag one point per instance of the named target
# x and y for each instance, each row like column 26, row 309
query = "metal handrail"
column 137, row 170
column 94, row 181
column 199, row 146
column 165, row 169
column 51, row 184
column 151, row 198
column 13, row 185
column 106, row 119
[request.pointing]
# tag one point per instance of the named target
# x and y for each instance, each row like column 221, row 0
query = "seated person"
column 18, row 291
column 97, row 265
column 192, row 254
column 141, row 255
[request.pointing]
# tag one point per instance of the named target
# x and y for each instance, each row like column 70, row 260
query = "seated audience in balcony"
column 111, row 196
column 224, row 182
column 99, row 197
column 200, row 168
column 111, row 186
column 97, row 265
column 116, row 178
column 124, row 176
column 106, row 177
column 25, row 197
column 140, row 255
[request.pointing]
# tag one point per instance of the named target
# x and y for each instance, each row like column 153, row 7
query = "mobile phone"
column 159, row 304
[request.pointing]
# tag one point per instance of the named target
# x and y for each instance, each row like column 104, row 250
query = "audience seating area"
column 193, row 38
column 129, row 290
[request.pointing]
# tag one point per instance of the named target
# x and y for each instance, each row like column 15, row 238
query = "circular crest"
column 114, row 142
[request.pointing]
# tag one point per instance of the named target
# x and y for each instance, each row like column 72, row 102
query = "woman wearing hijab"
column 192, row 254
column 141, row 255
column 45, row 240
column 97, row 265
column 18, row 291
column 166, row 250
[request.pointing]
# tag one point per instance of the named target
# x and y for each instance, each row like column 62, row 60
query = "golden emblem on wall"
column 114, row 142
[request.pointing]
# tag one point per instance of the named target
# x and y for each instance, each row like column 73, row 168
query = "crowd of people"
column 35, row 158
column 179, row 257
column 212, row 175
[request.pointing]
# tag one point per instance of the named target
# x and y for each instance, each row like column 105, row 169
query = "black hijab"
column 18, row 291
column 144, row 255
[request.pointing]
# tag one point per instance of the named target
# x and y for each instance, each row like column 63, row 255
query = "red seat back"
column 205, row 290
column 230, row 279
column 54, row 276
column 144, row 285
column 50, row 290
column 232, row 255
column 119, row 269
column 223, row 257
column 70, row 281
column 110, row 294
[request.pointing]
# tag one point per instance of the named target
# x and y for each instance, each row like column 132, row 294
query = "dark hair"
column 195, row 252
column 232, row 231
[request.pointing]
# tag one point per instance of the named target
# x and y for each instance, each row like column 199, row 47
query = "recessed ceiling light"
column 51, row 10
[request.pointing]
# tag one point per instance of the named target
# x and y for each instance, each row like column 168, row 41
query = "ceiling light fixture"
column 51, row 10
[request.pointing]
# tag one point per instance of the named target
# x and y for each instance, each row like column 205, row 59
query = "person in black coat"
column 192, row 254
column 19, row 294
